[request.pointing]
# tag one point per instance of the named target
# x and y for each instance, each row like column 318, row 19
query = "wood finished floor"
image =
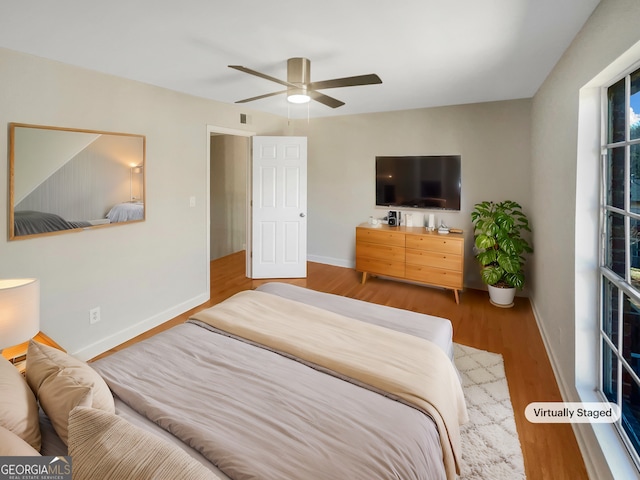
column 550, row 450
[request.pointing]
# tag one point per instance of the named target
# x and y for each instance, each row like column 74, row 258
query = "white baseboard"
column 336, row 262
column 128, row 333
column 552, row 359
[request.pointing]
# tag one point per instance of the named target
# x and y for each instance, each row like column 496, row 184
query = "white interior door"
column 279, row 207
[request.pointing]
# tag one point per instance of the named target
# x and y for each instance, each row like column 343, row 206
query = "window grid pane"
column 634, row 252
column 631, row 332
column 610, row 311
column 615, row 253
column 631, row 409
column 615, row 177
column 634, row 104
column 634, row 165
column 617, row 114
column 609, row 373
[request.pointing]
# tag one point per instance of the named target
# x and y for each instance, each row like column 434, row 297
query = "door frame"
column 239, row 133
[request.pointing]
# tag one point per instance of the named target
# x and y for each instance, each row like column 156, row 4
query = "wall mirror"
column 67, row 180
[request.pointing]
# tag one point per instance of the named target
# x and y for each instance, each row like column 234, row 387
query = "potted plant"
column 500, row 247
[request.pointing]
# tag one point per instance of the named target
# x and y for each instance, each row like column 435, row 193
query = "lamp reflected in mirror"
column 69, row 180
column 135, row 182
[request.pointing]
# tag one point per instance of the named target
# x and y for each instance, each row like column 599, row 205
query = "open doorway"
column 229, row 155
column 228, row 197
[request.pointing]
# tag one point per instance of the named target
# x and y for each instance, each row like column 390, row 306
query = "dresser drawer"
column 381, row 267
column 434, row 276
column 426, row 258
column 439, row 243
column 380, row 252
column 385, row 237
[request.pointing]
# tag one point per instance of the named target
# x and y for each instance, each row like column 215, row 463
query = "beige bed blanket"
column 407, row 367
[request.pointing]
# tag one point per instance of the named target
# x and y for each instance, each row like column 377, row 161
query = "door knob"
column 302, row 215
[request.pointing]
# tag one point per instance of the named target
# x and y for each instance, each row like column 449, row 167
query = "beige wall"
column 229, row 156
column 493, row 139
column 139, row 275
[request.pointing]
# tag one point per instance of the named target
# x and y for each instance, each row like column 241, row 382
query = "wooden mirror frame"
column 89, row 179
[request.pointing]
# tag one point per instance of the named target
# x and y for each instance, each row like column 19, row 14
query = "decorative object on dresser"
column 394, row 218
column 500, row 247
column 411, row 253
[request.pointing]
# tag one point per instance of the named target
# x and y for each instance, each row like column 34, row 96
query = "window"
column 620, row 262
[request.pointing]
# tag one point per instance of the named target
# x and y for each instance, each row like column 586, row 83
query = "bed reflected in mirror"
column 67, row 180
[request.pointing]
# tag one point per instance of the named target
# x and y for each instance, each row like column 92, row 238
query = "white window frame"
column 624, row 286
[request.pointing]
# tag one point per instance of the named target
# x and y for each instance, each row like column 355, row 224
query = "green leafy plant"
column 498, row 239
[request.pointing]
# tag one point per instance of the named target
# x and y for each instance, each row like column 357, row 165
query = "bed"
column 29, row 222
column 126, row 212
column 287, row 383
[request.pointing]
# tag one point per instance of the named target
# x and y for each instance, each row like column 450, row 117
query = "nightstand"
column 18, row 354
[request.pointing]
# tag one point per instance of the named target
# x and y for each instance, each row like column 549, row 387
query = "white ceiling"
column 427, row 52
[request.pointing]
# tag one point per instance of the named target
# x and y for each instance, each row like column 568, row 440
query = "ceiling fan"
column 300, row 88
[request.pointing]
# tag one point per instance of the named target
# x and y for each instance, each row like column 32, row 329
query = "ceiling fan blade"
column 261, row 96
column 369, row 79
column 325, row 99
column 261, row 75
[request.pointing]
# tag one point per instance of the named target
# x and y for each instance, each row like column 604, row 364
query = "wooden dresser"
column 411, row 253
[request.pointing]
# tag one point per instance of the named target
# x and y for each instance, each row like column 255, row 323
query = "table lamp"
column 19, row 310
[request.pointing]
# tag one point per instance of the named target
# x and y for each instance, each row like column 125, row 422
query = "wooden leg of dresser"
column 364, row 277
column 455, row 292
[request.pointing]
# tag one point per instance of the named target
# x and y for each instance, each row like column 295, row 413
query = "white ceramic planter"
column 501, row 297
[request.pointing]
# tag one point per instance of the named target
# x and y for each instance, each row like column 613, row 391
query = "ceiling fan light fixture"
column 298, row 96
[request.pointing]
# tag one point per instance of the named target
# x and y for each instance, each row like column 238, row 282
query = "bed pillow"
column 62, row 382
column 11, row 445
column 18, row 406
column 51, row 445
column 108, row 447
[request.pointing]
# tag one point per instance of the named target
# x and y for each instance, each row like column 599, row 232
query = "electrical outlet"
column 94, row 315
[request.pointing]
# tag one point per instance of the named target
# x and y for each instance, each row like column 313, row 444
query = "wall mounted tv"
column 428, row 181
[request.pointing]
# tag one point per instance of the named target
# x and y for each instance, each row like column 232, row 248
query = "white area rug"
column 490, row 444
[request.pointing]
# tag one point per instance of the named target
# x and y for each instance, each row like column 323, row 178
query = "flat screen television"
column 425, row 181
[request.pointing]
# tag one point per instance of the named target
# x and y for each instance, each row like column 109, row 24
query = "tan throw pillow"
column 11, row 445
column 62, row 382
column 108, row 447
column 18, row 406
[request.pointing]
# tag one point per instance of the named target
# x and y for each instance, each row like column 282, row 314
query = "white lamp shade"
column 19, row 310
